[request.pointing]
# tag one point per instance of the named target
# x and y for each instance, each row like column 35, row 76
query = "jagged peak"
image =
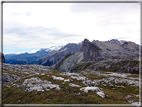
column 86, row 40
column 116, row 41
column 87, row 45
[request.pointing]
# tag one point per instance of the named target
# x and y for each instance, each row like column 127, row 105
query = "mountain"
column 52, row 48
column 95, row 72
column 98, row 51
column 27, row 58
column 55, row 56
column 116, row 41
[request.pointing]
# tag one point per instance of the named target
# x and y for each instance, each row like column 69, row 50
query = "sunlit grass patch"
column 115, row 97
column 120, row 94
column 95, row 76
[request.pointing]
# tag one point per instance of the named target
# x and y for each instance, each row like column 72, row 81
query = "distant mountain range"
column 84, row 51
column 27, row 58
column 52, row 48
column 55, row 56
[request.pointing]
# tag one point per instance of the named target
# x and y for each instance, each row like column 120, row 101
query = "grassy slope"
column 114, row 67
column 67, row 94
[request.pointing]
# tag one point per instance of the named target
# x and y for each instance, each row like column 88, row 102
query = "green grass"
column 134, row 76
column 128, row 90
column 95, row 76
column 68, row 96
column 114, row 66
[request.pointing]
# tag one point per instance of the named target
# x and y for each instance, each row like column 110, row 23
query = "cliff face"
column 87, row 52
column 90, row 51
column 98, row 51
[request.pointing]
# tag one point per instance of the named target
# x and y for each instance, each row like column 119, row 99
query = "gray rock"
column 16, row 72
column 9, row 78
column 97, row 51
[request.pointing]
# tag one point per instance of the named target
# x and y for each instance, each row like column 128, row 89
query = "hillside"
column 43, row 85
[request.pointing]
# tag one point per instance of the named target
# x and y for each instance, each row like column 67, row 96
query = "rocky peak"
column 86, row 40
column 85, row 45
column 130, row 46
column 90, row 50
column 115, row 41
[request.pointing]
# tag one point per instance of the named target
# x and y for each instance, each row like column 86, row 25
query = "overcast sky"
column 28, row 27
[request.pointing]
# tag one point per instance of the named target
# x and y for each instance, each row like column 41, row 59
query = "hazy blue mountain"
column 26, row 58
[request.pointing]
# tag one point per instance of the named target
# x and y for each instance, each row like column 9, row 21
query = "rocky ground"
column 15, row 72
column 26, row 84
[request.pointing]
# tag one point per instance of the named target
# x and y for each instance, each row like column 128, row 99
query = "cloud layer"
column 41, row 25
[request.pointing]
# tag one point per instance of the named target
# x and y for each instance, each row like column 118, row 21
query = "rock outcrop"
column 15, row 72
column 91, row 52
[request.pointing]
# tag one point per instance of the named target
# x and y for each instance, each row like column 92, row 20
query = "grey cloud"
column 33, row 36
column 107, row 14
column 35, row 31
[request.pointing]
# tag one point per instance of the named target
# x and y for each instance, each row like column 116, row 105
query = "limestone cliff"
column 98, row 51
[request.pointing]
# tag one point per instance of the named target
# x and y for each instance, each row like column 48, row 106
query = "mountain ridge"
column 26, row 58
column 54, row 57
column 98, row 51
column 111, row 49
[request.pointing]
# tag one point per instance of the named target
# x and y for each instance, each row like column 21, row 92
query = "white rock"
column 73, row 85
column 101, row 94
column 35, row 83
column 67, row 80
column 37, row 73
column 57, row 78
column 136, row 103
column 42, row 74
column 86, row 89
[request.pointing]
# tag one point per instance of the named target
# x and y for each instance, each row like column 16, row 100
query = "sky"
column 28, row 27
